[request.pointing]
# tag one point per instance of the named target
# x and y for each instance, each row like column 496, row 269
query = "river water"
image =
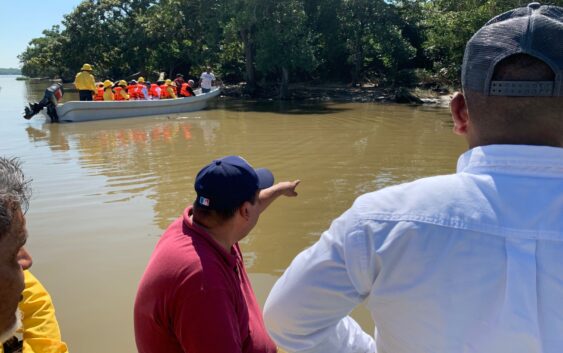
column 103, row 192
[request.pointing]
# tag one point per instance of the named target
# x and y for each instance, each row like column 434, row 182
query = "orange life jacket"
column 132, row 90
column 99, row 94
column 153, row 92
column 117, row 93
column 140, row 94
column 184, row 91
column 164, row 92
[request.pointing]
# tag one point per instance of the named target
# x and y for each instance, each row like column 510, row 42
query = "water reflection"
column 104, row 191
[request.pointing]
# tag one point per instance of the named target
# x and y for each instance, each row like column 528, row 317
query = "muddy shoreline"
column 346, row 93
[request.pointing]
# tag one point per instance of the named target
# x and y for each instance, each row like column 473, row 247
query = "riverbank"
column 347, row 93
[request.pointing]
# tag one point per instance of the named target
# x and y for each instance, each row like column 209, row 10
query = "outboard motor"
column 53, row 95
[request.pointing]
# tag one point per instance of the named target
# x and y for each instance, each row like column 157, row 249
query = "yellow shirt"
column 171, row 91
column 108, row 94
column 124, row 94
column 41, row 333
column 84, row 81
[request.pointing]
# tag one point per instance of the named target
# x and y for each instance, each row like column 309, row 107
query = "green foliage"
column 268, row 40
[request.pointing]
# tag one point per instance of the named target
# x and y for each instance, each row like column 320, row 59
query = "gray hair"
column 14, row 190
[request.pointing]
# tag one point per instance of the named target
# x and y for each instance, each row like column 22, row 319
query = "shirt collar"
column 230, row 258
column 513, row 159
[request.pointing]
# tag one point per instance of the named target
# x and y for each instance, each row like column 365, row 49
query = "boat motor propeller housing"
column 53, row 95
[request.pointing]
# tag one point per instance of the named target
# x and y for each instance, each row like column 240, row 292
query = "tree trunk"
column 246, row 36
column 284, row 89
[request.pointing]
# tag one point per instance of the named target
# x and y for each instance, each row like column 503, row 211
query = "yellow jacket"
column 108, row 94
column 171, row 91
column 84, row 81
column 41, row 333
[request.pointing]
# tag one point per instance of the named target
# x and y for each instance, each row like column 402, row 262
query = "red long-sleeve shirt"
column 196, row 297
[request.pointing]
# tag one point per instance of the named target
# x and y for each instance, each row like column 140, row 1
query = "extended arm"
column 267, row 196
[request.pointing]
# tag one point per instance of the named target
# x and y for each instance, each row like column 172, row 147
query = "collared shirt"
column 196, row 297
column 207, row 79
column 469, row 262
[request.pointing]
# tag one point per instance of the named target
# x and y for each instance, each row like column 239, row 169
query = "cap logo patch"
column 203, row 201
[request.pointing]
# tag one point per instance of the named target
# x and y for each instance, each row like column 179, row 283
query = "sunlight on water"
column 105, row 191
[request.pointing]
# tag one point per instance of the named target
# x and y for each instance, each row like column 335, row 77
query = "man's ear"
column 244, row 210
column 460, row 116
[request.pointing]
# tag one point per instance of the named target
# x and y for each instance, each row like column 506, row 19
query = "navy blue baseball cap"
column 228, row 182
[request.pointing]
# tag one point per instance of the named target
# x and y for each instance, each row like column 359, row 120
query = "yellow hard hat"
column 108, row 83
column 86, row 67
column 141, row 79
column 168, row 82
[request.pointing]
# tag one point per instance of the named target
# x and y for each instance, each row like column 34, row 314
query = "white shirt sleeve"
column 307, row 309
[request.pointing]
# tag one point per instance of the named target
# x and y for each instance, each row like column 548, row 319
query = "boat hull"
column 76, row 111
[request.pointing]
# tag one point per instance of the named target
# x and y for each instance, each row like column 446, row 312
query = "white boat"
column 77, row 111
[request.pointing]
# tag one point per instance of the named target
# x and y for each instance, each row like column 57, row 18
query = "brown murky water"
column 104, row 191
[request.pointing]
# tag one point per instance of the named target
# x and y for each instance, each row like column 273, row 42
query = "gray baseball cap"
column 535, row 30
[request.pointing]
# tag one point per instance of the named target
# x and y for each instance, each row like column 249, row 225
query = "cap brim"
column 265, row 178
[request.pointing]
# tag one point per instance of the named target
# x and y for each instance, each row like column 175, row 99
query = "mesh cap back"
column 536, row 30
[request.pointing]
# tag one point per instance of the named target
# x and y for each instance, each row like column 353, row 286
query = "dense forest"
column 265, row 42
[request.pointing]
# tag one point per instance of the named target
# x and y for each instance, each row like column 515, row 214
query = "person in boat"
column 132, row 89
column 179, row 81
column 99, row 92
column 120, row 91
column 14, row 258
column 170, row 91
column 164, row 90
column 466, row 262
column 206, row 80
column 108, row 92
column 142, row 92
column 40, row 329
column 154, row 91
column 186, row 90
column 85, row 83
column 195, row 295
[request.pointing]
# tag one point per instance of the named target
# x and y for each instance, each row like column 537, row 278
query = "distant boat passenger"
column 108, row 93
column 142, row 92
column 121, row 91
column 85, row 83
column 99, row 92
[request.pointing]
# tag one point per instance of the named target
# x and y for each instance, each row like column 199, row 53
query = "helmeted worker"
column 187, row 90
column 120, row 93
column 85, row 83
column 170, row 88
column 142, row 92
column 99, row 92
column 108, row 93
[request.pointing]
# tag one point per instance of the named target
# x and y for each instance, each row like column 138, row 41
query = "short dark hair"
column 15, row 191
column 220, row 215
column 518, row 120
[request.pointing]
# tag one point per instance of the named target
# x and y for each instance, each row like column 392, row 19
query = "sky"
column 23, row 20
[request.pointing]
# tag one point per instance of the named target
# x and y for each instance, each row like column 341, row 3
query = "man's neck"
column 222, row 234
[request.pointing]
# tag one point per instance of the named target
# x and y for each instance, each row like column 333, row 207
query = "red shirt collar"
column 230, row 258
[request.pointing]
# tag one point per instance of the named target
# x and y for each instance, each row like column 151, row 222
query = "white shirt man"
column 206, row 80
column 468, row 262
